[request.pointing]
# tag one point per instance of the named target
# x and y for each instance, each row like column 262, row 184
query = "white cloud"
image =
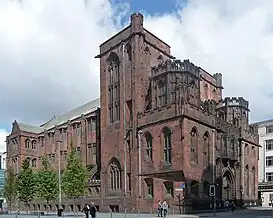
column 47, row 54
column 47, row 50
column 3, row 134
column 231, row 37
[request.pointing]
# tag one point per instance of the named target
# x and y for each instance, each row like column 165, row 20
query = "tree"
column 47, row 182
column 74, row 177
column 26, row 184
column 9, row 191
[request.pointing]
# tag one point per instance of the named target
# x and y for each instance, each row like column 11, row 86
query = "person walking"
column 159, row 209
column 165, row 209
column 93, row 210
column 86, row 210
column 233, row 206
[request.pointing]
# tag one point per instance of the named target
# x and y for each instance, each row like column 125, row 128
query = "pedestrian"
column 226, row 205
column 93, row 210
column 233, row 207
column 165, row 208
column 159, row 209
column 86, row 210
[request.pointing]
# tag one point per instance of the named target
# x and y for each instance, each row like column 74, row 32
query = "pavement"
column 257, row 212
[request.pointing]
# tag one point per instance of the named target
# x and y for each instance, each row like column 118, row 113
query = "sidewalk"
column 225, row 214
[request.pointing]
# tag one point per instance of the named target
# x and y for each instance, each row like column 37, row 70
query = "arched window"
column 149, row 145
column 33, row 144
column 128, row 48
column 27, row 160
column 27, row 143
column 247, row 180
column 206, row 142
column 194, row 144
column 162, row 93
column 167, row 134
column 34, row 162
column 115, row 175
column 113, row 87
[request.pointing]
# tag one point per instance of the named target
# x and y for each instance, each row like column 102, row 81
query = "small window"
column 149, row 146
column 269, row 177
column 27, row 142
column 150, row 187
column 33, row 145
column 168, row 188
column 269, row 145
column 269, row 161
column 269, row 129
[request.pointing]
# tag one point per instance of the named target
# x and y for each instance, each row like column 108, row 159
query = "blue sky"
column 152, row 7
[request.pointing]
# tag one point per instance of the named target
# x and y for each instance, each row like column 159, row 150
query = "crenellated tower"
column 234, row 110
column 175, row 81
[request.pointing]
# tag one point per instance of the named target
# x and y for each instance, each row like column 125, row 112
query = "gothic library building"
column 160, row 123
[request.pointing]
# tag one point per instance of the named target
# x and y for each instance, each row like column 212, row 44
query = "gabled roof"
column 58, row 120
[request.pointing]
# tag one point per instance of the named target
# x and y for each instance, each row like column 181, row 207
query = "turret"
column 136, row 22
column 236, row 110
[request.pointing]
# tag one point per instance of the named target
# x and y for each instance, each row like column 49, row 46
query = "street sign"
column 181, row 187
column 212, row 190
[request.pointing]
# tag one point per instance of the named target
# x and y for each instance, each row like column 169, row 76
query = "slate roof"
column 29, row 128
column 62, row 119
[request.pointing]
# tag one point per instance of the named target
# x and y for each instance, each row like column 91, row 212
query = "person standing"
column 86, row 210
column 93, row 210
column 165, row 208
column 159, row 208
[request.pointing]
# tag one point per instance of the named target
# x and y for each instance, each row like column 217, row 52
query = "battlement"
column 234, row 102
column 175, row 66
column 218, row 78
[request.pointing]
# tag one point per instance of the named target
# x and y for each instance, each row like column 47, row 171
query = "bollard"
column 111, row 213
column 39, row 214
column 138, row 214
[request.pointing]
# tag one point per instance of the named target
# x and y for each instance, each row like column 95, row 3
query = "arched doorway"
column 227, row 186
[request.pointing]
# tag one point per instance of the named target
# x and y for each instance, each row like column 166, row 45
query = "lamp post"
column 17, row 173
column 213, row 170
column 59, row 178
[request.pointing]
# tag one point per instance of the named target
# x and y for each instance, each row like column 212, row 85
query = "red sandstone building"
column 78, row 128
column 162, row 122
column 172, row 110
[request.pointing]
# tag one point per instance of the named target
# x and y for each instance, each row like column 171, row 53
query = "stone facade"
column 78, row 128
column 175, row 112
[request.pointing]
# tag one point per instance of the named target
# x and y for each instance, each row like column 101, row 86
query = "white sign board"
column 212, row 190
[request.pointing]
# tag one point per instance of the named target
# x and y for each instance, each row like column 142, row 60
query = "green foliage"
column 9, row 191
column 75, row 177
column 26, row 183
column 47, row 182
